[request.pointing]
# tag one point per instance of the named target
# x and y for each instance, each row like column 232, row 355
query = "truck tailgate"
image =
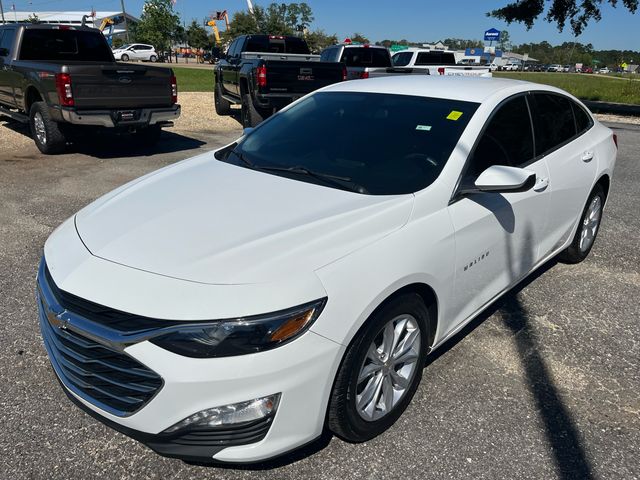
column 120, row 86
column 300, row 77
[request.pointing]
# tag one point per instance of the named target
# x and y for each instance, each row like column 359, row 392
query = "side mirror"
column 247, row 131
column 500, row 178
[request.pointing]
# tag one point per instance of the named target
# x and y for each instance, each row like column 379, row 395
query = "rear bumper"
column 109, row 118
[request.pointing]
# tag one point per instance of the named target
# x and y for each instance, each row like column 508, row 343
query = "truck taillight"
column 65, row 92
column 441, row 71
column 261, row 75
column 344, row 73
column 364, row 74
column 174, row 89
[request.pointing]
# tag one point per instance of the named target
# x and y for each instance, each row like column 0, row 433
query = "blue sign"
column 473, row 52
column 492, row 35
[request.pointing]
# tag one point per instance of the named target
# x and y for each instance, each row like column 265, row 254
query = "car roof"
column 466, row 89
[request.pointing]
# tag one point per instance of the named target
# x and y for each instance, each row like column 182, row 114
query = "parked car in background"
column 554, row 68
column 136, row 51
column 587, row 69
column 264, row 73
column 437, row 62
column 237, row 305
column 63, row 81
column 604, row 70
column 512, row 67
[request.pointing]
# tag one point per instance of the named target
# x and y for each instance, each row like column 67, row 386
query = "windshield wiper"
column 327, row 177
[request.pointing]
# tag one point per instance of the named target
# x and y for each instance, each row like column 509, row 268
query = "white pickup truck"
column 437, row 62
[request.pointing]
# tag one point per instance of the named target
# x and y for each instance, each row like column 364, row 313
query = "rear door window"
column 553, row 121
column 506, row 140
column 366, row 57
column 6, row 39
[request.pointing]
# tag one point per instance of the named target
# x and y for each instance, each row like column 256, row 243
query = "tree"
column 197, row 36
column 158, row 24
column 318, row 40
column 359, row 38
column 117, row 42
column 275, row 19
column 505, row 41
column 577, row 12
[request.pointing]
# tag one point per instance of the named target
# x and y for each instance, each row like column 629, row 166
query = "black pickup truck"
column 61, row 79
column 264, row 73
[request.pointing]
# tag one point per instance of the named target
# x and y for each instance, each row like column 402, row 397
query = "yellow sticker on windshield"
column 454, row 115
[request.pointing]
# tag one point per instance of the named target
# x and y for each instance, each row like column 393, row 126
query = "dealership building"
column 93, row 19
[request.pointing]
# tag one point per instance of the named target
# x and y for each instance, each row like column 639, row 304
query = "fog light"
column 230, row 414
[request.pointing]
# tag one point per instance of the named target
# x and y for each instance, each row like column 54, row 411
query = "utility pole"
column 2, row 11
column 126, row 26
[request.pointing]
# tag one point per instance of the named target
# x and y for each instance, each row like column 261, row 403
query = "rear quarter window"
column 583, row 119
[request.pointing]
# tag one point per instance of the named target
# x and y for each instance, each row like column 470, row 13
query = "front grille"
column 109, row 379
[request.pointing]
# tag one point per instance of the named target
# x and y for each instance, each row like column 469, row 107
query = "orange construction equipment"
column 218, row 17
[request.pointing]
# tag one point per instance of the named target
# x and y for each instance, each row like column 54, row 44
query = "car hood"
column 211, row 222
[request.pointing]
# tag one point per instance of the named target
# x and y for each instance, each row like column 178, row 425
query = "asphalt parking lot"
column 544, row 385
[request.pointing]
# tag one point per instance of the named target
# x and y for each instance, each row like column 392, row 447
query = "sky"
column 414, row 20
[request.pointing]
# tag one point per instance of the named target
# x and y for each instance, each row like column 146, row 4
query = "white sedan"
column 231, row 306
column 136, row 51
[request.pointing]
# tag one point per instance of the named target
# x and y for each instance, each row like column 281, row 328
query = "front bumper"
column 302, row 371
column 109, row 118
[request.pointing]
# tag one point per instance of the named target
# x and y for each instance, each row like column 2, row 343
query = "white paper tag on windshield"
column 424, row 128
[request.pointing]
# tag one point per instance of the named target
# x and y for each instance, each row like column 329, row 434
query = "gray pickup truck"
column 62, row 79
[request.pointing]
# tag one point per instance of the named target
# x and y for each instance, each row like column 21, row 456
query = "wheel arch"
column 31, row 95
column 605, row 182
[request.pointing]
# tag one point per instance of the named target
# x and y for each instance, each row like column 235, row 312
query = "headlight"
column 239, row 336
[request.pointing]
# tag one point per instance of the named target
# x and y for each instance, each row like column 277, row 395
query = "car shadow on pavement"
column 106, row 145
column 109, row 145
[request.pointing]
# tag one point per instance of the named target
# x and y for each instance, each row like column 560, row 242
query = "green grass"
column 585, row 87
column 194, row 79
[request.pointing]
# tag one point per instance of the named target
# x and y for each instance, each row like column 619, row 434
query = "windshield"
column 123, row 47
column 65, row 45
column 401, row 59
column 371, row 143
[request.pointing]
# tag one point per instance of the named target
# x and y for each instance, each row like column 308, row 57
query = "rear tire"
column 372, row 375
column 47, row 134
column 223, row 106
column 153, row 59
column 587, row 230
column 251, row 117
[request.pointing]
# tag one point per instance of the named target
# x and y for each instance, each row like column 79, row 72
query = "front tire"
column 381, row 370
column 588, row 229
column 47, row 134
column 124, row 57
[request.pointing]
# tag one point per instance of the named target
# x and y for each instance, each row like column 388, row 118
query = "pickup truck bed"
column 60, row 79
column 265, row 81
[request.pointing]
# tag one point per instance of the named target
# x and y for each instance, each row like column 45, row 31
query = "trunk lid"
column 300, row 77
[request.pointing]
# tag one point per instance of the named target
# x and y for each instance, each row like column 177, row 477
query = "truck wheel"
column 223, row 106
column 124, row 57
column 46, row 133
column 251, row 117
column 149, row 136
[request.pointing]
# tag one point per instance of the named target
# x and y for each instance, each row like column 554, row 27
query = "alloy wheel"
column 590, row 223
column 40, row 130
column 388, row 368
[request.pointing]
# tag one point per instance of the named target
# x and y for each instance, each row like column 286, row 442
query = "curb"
column 613, row 108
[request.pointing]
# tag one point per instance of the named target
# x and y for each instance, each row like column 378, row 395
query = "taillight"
column 261, row 75
column 63, row 86
column 174, row 89
column 441, row 71
column 344, row 73
column 615, row 140
column 364, row 74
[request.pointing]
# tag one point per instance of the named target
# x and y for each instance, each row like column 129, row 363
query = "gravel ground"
column 543, row 385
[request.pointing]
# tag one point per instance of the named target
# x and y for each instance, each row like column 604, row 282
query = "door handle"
column 587, row 157
column 541, row 184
